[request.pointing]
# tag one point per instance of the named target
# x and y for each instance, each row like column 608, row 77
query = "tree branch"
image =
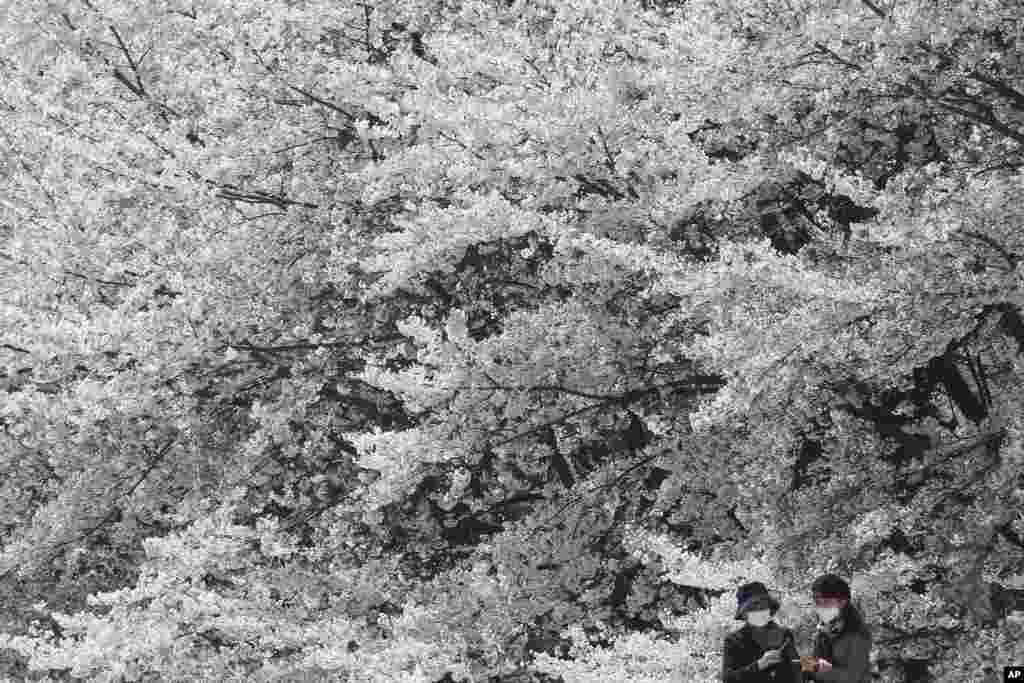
column 1000, row 87
column 257, row 197
column 112, row 512
column 989, row 120
column 138, row 87
column 115, row 283
column 836, row 57
column 610, row 163
column 320, row 101
column 874, row 8
column 290, row 347
column 12, row 347
column 623, row 398
column 548, row 424
column 1011, row 259
column 461, row 144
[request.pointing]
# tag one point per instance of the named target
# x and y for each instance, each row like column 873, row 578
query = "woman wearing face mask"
column 842, row 646
column 762, row 650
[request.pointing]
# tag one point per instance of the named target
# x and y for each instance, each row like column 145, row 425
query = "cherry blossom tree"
column 437, row 341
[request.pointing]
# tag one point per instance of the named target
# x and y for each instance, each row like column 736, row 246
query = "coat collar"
column 776, row 635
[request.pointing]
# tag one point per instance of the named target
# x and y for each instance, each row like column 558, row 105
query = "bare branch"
column 609, row 160
column 138, row 88
column 990, row 121
column 845, row 62
column 299, row 346
column 461, row 144
column 874, row 8
column 14, row 348
column 366, row 15
column 550, row 423
column 1000, row 87
column 320, row 101
column 257, row 197
column 1011, row 259
column 115, row 283
column 263, row 215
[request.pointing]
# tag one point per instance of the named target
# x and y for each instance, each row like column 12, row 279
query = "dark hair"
column 853, row 620
column 831, row 585
column 835, row 586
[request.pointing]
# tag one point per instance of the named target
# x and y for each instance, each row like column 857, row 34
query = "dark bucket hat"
column 754, row 596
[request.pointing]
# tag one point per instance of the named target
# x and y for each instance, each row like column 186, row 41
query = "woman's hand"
column 769, row 658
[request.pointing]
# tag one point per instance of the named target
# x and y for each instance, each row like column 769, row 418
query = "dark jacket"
column 741, row 652
column 849, row 653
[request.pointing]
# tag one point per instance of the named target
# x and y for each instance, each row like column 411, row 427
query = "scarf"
column 768, row 637
column 827, row 633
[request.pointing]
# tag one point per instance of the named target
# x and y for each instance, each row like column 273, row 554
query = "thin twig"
column 461, row 144
column 302, row 144
column 109, row 516
column 874, row 8
column 115, row 283
column 138, row 88
column 320, row 101
column 844, row 62
column 14, row 348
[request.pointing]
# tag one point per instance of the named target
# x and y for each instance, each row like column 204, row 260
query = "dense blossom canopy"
column 500, row 340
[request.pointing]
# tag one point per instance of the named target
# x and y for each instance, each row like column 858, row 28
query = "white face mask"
column 827, row 614
column 759, row 618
